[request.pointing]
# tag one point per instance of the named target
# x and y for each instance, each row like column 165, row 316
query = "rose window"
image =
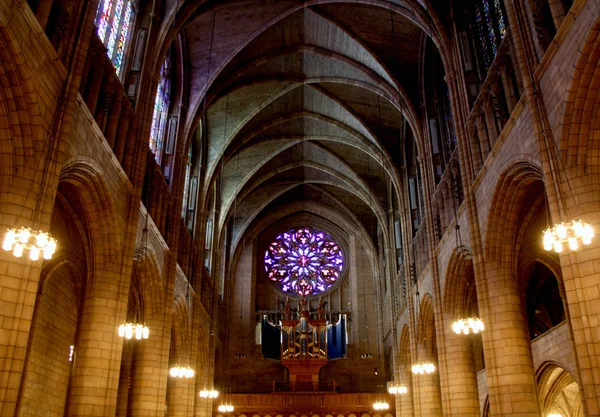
column 304, row 261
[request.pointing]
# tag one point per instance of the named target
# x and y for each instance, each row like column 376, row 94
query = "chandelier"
column 205, row 393
column 226, row 408
column 567, row 233
column 423, row 368
column 555, row 415
column 182, row 372
column 381, row 405
column 35, row 242
column 465, row 326
column 127, row 330
column 397, row 389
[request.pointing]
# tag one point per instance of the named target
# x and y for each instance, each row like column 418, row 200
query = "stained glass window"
column 123, row 38
column 490, row 25
column 104, row 11
column 159, row 116
column 500, row 18
column 113, row 20
column 304, row 261
column 482, row 36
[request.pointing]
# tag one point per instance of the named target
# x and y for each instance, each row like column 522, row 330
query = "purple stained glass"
column 304, row 261
column 490, row 25
column 104, row 18
column 123, row 38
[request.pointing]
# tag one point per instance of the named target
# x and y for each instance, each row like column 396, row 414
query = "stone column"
column 430, row 396
column 463, row 396
column 179, row 397
column 95, row 378
column 511, row 382
column 149, row 379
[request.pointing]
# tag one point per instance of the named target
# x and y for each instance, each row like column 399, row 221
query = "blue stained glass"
column 500, row 17
column 304, row 261
column 482, row 36
column 490, row 25
column 123, row 38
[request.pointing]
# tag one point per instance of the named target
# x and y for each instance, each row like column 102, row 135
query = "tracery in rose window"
column 304, row 261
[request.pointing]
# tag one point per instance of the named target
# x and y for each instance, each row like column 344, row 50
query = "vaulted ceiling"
column 305, row 101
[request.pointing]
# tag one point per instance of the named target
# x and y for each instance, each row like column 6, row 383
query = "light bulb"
column 573, row 243
column 457, row 326
column 42, row 240
column 18, row 250
column 24, row 235
column 128, row 331
column 9, row 239
column 558, row 246
column 121, row 330
column 34, row 253
column 146, row 332
column 578, row 228
column 49, row 249
column 561, row 231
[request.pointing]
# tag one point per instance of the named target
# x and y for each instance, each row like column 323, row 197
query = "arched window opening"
column 114, row 19
column 544, row 303
column 161, row 108
column 441, row 123
column 414, row 181
column 558, row 392
column 547, row 18
column 490, row 29
column 186, row 186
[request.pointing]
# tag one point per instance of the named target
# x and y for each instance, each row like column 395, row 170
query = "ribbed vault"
column 301, row 103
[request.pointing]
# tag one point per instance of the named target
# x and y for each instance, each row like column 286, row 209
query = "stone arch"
column 20, row 120
column 54, row 331
column 147, row 284
column 426, row 328
column 85, row 186
column 404, row 350
column 181, row 329
column 558, row 391
column 459, row 283
column 506, row 210
column 582, row 108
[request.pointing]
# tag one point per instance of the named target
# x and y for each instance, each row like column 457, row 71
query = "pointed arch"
column 459, row 282
column 86, row 184
column 505, row 209
column 582, row 109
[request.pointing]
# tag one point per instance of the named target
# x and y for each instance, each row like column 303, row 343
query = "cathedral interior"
column 299, row 208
